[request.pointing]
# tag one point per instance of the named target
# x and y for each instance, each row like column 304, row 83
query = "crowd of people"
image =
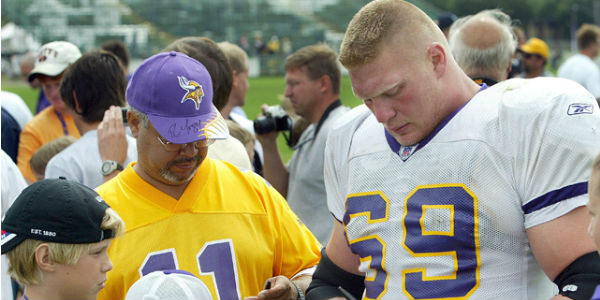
column 469, row 171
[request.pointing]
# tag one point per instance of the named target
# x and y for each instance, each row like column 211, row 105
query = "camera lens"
column 264, row 124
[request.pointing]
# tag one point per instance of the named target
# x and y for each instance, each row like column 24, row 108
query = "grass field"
column 262, row 90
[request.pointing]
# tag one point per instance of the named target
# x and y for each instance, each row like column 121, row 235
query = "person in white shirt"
column 17, row 108
column 93, row 84
column 581, row 67
column 13, row 183
column 238, row 60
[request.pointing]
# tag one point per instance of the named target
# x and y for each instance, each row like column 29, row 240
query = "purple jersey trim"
column 395, row 146
column 596, row 295
column 555, row 196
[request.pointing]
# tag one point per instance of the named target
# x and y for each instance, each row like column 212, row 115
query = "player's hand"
column 112, row 141
column 279, row 287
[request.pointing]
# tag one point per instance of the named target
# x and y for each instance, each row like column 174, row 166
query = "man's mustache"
column 184, row 160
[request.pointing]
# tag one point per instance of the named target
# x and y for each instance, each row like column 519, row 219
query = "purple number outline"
column 159, row 260
column 464, row 243
column 223, row 268
column 375, row 207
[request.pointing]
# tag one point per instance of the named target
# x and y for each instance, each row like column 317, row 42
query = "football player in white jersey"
column 444, row 189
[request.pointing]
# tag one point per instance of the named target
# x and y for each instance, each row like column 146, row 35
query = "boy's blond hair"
column 42, row 156
column 240, row 133
column 22, row 263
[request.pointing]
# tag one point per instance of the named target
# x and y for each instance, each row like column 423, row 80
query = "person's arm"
column 556, row 244
column 112, row 140
column 326, row 280
column 338, row 268
column 29, row 142
column 274, row 170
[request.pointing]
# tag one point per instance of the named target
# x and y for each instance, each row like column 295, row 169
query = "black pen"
column 346, row 293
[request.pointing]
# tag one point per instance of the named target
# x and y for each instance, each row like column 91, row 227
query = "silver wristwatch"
column 110, row 166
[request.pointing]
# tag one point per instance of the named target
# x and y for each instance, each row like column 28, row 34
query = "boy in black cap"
column 56, row 236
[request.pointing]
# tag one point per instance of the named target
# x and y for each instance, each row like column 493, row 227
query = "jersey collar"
column 406, row 151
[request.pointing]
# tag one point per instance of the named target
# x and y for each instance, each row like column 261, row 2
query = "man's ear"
column 324, row 83
column 42, row 258
column 77, row 106
column 439, row 60
column 235, row 79
column 134, row 123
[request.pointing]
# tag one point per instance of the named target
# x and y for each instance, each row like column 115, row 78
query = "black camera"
column 274, row 119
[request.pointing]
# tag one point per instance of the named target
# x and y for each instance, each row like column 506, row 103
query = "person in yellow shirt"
column 185, row 211
column 52, row 122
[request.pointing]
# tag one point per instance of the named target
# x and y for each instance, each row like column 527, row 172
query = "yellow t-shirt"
column 43, row 128
column 229, row 228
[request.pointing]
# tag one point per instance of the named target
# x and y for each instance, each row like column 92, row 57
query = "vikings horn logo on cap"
column 194, row 91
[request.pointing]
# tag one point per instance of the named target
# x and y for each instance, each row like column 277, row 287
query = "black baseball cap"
column 55, row 210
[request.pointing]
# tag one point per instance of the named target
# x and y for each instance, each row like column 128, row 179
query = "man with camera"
column 312, row 83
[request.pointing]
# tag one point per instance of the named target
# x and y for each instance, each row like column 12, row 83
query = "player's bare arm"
column 559, row 244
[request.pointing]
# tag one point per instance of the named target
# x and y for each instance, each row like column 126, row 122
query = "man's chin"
column 173, row 178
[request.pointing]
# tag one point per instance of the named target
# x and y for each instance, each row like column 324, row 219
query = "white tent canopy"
column 16, row 40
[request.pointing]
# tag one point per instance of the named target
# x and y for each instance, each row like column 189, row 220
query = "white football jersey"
column 447, row 218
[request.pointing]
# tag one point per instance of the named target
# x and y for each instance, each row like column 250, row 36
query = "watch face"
column 108, row 167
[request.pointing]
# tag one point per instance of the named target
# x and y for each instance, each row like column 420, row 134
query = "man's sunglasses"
column 529, row 55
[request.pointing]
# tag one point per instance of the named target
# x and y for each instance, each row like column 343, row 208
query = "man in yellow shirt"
column 185, row 211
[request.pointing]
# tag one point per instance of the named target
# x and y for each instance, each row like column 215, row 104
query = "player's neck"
column 84, row 127
column 588, row 52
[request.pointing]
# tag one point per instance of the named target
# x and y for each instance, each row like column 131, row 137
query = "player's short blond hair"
column 237, row 57
column 22, row 263
column 379, row 23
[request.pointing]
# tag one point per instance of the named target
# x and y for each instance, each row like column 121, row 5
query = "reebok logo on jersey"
column 580, row 108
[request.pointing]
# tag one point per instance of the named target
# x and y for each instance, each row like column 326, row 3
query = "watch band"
column 300, row 292
column 109, row 166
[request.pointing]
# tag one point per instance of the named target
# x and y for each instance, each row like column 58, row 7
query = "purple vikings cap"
column 175, row 91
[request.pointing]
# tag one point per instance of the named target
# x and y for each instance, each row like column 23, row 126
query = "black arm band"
column 328, row 277
column 579, row 279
